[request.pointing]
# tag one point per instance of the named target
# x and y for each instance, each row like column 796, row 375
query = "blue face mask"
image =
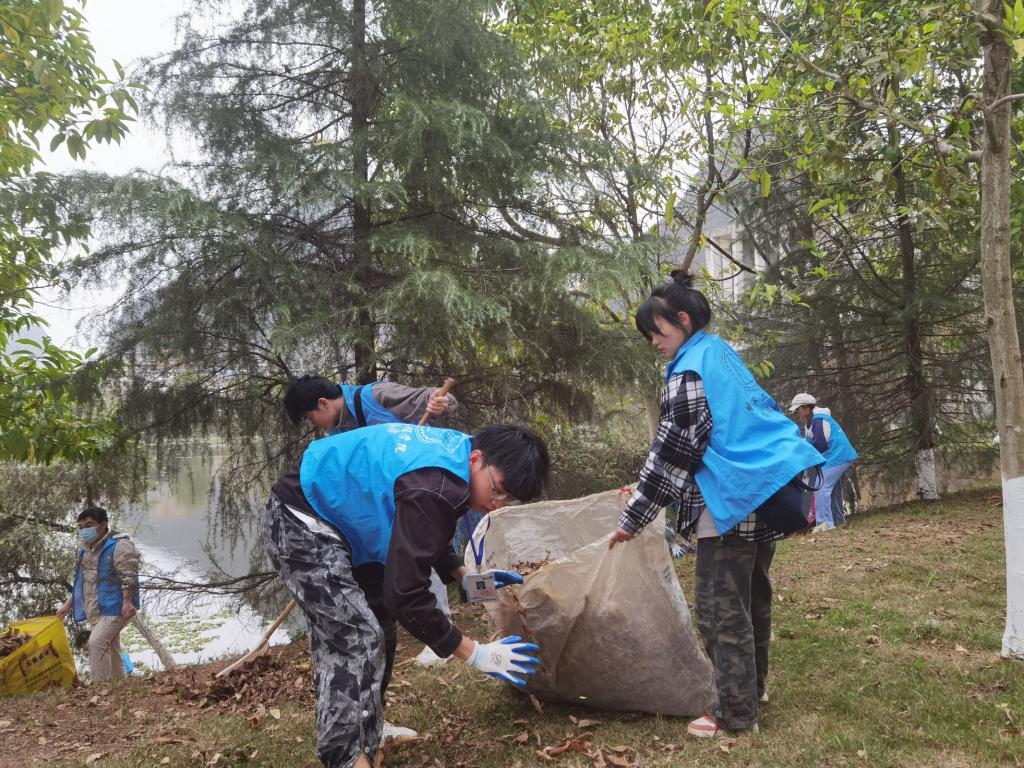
column 87, row 535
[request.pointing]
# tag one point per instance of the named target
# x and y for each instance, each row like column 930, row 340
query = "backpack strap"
column 357, row 400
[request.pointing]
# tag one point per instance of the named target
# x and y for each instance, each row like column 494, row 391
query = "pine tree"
column 367, row 201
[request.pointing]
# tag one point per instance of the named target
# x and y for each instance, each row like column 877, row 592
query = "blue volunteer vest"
column 108, row 585
column 374, row 412
column 840, row 450
column 349, row 479
column 753, row 450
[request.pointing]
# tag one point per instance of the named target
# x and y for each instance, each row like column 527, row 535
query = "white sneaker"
column 396, row 733
column 427, row 658
column 763, row 698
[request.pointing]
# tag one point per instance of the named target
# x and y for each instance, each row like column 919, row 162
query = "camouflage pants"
column 347, row 640
column 734, row 614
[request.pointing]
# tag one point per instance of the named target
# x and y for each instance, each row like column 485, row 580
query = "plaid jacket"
column 668, row 474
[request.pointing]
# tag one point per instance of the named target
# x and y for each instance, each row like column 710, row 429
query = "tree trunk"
column 361, row 98
column 1003, row 341
column 918, row 388
column 652, row 404
column 927, row 475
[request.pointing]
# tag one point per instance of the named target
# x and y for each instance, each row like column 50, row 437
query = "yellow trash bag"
column 44, row 661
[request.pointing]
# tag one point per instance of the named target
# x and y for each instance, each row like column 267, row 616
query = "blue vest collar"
column 689, row 344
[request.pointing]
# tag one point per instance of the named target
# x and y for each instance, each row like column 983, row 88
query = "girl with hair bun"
column 723, row 448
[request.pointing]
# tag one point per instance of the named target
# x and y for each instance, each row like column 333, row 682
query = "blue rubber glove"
column 504, row 578
column 504, row 657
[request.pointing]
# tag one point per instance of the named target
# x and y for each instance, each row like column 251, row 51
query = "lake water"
column 180, row 536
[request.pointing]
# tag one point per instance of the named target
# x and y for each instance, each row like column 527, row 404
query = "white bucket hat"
column 802, row 399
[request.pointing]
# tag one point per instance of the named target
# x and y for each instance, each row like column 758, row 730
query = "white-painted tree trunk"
column 1013, row 523
column 927, row 482
column 1000, row 315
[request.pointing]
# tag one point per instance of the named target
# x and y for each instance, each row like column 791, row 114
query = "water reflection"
column 183, row 534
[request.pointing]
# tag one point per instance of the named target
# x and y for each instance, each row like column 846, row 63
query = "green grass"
column 886, row 653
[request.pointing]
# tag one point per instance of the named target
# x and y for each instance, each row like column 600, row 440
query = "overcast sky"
column 122, row 30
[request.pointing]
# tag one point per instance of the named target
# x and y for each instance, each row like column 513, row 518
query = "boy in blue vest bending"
column 354, row 530
column 825, row 434
column 105, row 591
column 338, row 408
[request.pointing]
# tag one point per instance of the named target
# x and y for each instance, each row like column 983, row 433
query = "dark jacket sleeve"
column 449, row 561
column 427, row 504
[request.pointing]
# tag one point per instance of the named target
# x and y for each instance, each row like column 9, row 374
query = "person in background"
column 337, row 408
column 105, row 591
column 825, row 434
column 723, row 448
column 354, row 530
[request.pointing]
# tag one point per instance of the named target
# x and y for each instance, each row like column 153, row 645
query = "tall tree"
column 367, row 202
column 651, row 90
column 997, row 284
column 49, row 83
column 866, row 107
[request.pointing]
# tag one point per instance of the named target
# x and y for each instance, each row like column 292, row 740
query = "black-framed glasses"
column 496, row 493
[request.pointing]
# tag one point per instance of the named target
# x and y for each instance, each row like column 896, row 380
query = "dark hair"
column 99, row 514
column 668, row 300
column 303, row 393
column 521, row 456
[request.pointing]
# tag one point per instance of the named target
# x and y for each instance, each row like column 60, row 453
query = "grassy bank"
column 886, row 654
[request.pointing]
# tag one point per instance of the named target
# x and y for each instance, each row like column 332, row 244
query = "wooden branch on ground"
column 161, row 651
column 263, row 644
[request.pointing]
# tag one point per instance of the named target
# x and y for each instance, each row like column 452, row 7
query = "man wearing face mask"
column 105, row 591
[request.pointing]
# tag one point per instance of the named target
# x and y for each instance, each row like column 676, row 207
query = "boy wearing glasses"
column 355, row 529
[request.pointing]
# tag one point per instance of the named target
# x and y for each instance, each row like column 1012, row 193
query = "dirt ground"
column 85, row 722
column 924, row 646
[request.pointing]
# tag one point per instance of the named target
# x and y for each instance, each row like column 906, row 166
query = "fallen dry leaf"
column 569, row 745
column 872, row 640
column 961, row 649
column 275, row 713
column 93, row 758
column 522, row 738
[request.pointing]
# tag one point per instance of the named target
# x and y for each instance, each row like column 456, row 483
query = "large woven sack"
column 613, row 627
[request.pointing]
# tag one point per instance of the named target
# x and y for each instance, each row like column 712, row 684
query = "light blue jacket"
column 753, row 450
column 838, row 448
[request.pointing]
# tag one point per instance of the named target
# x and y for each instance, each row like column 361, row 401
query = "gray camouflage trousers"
column 733, row 604
column 350, row 657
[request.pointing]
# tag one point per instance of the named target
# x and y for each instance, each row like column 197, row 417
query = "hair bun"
column 682, row 278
